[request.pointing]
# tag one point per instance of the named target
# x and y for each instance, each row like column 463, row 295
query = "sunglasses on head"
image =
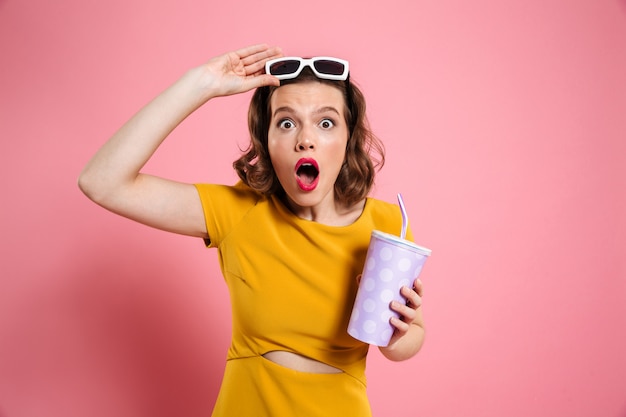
column 325, row 67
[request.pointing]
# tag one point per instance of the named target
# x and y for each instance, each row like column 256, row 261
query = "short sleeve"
column 224, row 206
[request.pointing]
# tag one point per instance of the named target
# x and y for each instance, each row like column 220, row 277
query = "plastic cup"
column 390, row 264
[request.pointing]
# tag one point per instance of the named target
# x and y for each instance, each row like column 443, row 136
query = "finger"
column 406, row 312
column 261, row 80
column 413, row 297
column 254, row 61
column 251, row 50
column 401, row 326
column 418, row 287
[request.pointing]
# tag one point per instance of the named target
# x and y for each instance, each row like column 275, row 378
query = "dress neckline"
column 289, row 215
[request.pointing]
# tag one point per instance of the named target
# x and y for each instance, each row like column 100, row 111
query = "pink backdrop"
column 506, row 132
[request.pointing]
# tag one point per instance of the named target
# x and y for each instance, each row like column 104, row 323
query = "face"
column 307, row 141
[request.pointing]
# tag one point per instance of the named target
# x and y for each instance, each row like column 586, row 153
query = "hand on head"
column 241, row 70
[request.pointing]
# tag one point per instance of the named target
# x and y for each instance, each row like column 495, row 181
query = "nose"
column 304, row 143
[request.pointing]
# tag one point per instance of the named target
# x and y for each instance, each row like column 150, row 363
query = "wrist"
column 197, row 86
column 406, row 346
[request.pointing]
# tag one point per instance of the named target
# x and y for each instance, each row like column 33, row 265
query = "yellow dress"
column 292, row 283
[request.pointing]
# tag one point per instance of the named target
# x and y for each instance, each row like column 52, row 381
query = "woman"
column 291, row 235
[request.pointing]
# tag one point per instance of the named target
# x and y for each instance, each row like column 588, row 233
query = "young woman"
column 291, row 235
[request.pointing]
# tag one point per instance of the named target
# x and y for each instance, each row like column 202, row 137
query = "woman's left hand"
column 408, row 335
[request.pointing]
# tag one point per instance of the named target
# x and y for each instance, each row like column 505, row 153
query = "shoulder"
column 381, row 208
column 225, row 206
column 384, row 216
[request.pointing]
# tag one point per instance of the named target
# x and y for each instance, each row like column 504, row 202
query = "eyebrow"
column 324, row 109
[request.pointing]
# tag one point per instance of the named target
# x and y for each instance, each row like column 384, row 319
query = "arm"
column 113, row 177
column 408, row 337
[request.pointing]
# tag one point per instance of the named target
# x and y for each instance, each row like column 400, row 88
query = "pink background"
column 505, row 127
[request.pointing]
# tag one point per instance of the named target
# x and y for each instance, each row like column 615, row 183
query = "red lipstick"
column 307, row 174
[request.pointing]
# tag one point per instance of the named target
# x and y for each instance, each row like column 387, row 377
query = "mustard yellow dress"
column 292, row 283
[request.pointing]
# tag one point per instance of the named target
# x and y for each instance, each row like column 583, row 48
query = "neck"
column 332, row 213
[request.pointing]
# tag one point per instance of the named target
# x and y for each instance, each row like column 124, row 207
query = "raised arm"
column 113, row 177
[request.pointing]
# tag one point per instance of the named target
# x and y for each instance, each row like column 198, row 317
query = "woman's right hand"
column 237, row 72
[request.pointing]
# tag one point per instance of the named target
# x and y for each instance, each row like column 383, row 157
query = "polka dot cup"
column 390, row 264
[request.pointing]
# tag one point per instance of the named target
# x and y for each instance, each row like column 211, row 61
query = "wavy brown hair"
column 365, row 153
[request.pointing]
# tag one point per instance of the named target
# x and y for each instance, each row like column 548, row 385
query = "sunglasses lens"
column 284, row 67
column 325, row 66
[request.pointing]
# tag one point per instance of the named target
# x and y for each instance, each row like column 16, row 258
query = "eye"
column 327, row 124
column 286, row 124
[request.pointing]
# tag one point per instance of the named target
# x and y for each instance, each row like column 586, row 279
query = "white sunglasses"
column 325, row 67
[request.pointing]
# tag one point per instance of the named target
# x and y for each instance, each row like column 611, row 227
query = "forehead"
column 307, row 94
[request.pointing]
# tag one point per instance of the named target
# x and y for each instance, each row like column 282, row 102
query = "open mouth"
column 307, row 174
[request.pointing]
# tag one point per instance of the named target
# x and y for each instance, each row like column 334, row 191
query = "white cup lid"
column 401, row 242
